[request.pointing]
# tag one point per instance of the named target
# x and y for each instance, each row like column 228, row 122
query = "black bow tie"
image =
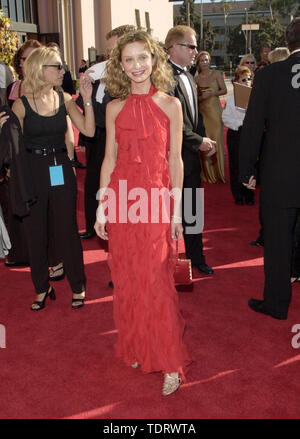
column 178, row 70
column 181, row 71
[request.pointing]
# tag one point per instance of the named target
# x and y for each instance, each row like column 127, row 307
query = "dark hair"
column 120, row 31
column 53, row 44
column 17, row 58
column 292, row 34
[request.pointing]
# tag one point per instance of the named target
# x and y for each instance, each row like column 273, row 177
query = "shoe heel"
column 52, row 294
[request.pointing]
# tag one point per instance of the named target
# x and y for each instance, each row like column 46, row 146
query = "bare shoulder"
column 115, row 106
column 18, row 108
column 67, row 97
column 169, row 104
column 218, row 74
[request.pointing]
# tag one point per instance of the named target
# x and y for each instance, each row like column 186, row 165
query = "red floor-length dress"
column 146, row 307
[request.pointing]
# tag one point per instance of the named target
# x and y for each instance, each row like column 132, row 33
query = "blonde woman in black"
column 42, row 114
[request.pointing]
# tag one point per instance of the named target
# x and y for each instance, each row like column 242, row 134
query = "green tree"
column 276, row 7
column 270, row 32
column 8, row 40
column 226, row 8
column 194, row 20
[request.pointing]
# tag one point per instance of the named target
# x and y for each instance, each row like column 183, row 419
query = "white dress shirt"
column 232, row 116
column 188, row 87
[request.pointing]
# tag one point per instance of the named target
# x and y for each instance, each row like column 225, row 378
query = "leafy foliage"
column 270, row 32
column 195, row 22
column 8, row 40
column 276, row 7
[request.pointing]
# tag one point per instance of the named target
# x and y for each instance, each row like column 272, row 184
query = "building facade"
column 80, row 25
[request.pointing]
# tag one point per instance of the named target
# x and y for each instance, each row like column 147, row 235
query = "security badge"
column 56, row 174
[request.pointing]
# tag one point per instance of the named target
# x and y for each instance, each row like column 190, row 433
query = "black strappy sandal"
column 60, row 276
column 41, row 303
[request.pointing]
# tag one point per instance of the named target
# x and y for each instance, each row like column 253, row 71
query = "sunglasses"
column 190, row 46
column 58, row 66
column 246, row 79
column 249, row 62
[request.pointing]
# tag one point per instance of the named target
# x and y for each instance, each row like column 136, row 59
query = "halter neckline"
column 151, row 92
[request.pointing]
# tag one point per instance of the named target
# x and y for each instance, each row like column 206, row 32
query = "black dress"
column 55, row 208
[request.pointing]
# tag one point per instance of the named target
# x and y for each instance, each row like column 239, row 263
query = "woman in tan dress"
column 211, row 85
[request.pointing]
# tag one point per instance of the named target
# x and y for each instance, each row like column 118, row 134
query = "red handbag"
column 183, row 272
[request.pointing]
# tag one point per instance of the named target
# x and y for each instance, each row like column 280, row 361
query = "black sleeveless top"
column 44, row 131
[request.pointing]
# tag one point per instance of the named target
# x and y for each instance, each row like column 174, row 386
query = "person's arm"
column 108, row 165
column 229, row 115
column 3, row 119
column 221, row 83
column 195, row 143
column 176, row 165
column 191, row 139
column 84, row 122
column 253, row 128
column 209, row 93
column 69, row 139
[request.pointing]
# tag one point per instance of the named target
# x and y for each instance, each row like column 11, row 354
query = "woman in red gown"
column 143, row 154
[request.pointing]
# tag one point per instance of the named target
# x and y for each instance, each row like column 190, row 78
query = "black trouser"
column 238, row 190
column 260, row 237
column 279, row 225
column 95, row 149
column 193, row 241
column 58, row 205
column 296, row 249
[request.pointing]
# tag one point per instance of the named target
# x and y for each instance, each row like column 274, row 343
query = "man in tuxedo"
column 181, row 45
column 274, row 106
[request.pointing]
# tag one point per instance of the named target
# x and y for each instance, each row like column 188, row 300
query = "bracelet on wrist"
column 176, row 218
column 88, row 104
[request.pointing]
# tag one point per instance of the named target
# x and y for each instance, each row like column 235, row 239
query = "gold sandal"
column 171, row 384
column 135, row 365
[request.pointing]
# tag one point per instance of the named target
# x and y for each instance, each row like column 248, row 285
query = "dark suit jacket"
column 13, row 155
column 274, row 106
column 191, row 139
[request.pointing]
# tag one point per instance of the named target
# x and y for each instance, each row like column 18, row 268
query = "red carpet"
column 59, row 363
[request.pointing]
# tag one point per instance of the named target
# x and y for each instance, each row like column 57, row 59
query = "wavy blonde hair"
column 33, row 68
column 117, row 82
column 203, row 52
column 278, row 54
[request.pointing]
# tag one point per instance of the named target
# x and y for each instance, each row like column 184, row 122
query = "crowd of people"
column 147, row 121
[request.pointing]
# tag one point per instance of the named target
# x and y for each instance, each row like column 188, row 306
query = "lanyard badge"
column 56, row 174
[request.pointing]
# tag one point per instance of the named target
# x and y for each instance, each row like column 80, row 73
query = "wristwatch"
column 88, row 104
